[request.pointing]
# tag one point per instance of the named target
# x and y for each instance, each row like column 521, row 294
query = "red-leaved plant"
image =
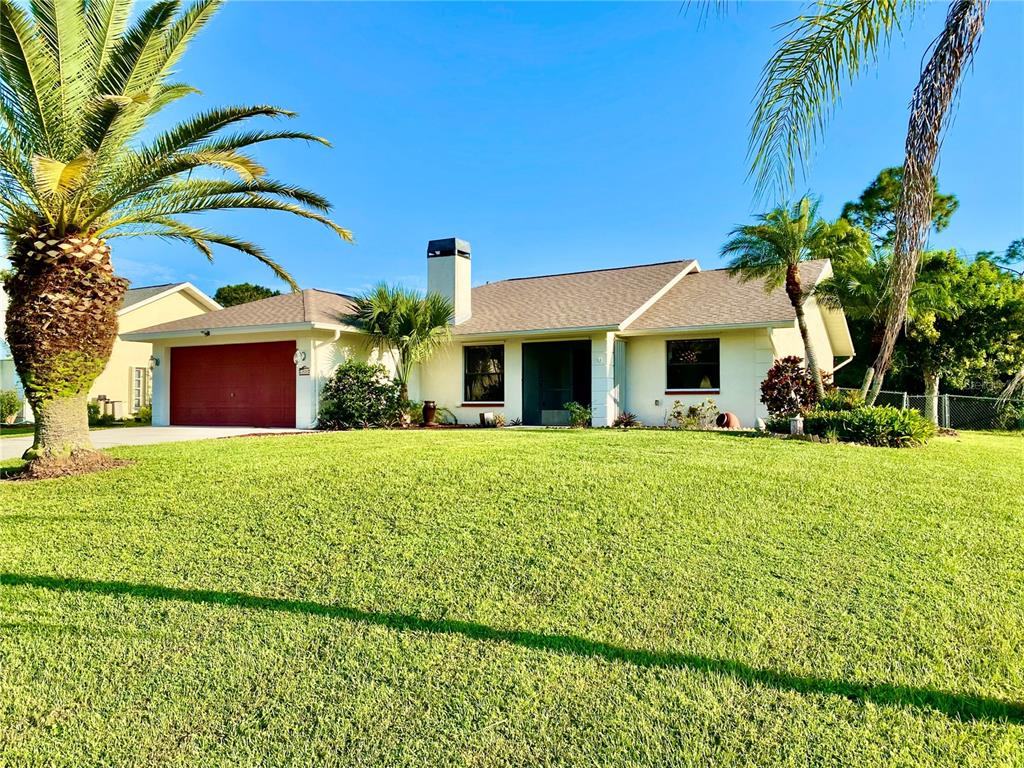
column 788, row 389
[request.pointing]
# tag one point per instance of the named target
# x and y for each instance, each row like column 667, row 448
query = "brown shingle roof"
column 598, row 299
column 716, row 298
column 308, row 306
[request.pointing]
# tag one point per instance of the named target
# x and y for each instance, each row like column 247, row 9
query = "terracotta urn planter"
column 429, row 412
column 728, row 420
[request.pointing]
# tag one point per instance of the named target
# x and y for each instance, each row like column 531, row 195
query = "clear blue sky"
column 558, row 137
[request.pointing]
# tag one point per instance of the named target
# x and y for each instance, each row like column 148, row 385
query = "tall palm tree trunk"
column 877, row 334
column 935, row 91
column 61, row 327
column 794, row 289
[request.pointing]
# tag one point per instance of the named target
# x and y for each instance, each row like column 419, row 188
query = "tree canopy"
column 242, row 293
column 983, row 340
column 875, row 210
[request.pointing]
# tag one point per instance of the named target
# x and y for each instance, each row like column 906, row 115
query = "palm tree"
column 862, row 292
column 80, row 85
column 411, row 326
column 774, row 248
column 802, row 83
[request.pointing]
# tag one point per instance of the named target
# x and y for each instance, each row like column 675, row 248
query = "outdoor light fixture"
column 154, row 362
column 299, row 356
column 205, row 331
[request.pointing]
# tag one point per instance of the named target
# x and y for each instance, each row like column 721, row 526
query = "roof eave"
column 704, row 328
column 501, row 334
column 197, row 294
column 234, row 330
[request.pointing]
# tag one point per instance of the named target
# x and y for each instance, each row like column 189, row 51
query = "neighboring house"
column 126, row 378
column 628, row 339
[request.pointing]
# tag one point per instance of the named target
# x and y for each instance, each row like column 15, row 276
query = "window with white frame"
column 140, row 388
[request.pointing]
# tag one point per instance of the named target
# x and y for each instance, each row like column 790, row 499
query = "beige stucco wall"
column 746, row 356
column 441, row 379
column 786, row 341
column 116, row 380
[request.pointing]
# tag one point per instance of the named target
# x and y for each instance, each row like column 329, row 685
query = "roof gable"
column 716, row 298
column 306, row 307
column 137, row 297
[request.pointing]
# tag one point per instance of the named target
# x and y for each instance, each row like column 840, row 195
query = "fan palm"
column 411, row 326
column 802, row 82
column 79, row 83
column 774, row 248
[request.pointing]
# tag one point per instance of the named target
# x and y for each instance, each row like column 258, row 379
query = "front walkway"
column 13, row 447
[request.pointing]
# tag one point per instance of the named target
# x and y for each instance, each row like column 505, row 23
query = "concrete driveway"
column 13, row 447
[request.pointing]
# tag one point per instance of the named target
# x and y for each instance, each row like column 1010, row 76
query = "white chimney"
column 448, row 274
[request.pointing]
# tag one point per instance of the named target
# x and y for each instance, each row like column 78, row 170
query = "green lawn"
column 518, row 598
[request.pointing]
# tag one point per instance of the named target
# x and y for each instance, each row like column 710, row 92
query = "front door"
column 554, row 373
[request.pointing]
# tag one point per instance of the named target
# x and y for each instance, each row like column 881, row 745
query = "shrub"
column 871, row 425
column 778, row 425
column 499, row 420
column 625, row 420
column 579, row 415
column 96, row 416
column 145, row 414
column 838, row 400
column 788, row 389
column 694, row 416
column 360, row 395
column 10, row 404
column 1010, row 415
column 413, row 411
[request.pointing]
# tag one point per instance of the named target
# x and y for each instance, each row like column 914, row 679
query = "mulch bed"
column 78, row 463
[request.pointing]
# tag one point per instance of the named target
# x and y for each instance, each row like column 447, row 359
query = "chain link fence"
column 962, row 411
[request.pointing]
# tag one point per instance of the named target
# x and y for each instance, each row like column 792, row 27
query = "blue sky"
column 558, row 137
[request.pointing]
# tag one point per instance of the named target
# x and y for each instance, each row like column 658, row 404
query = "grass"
column 518, row 598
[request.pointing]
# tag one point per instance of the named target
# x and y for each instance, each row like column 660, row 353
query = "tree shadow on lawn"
column 961, row 707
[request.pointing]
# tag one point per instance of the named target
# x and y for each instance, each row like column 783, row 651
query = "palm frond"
column 202, row 126
column 29, row 78
column 802, row 82
column 217, row 203
column 105, row 21
column 195, row 189
column 171, row 229
column 63, row 29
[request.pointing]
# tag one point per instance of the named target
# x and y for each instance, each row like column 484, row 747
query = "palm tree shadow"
column 958, row 706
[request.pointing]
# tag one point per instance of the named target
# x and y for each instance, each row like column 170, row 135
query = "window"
column 693, row 365
column 140, row 388
column 485, row 374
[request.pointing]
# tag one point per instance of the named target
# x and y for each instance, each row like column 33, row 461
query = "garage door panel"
column 234, row 385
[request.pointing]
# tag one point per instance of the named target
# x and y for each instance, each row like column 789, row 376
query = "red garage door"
column 247, row 385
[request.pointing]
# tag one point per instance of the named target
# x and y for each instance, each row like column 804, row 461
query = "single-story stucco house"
column 126, row 378
column 632, row 339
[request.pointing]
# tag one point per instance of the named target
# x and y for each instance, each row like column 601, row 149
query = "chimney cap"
column 449, row 246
